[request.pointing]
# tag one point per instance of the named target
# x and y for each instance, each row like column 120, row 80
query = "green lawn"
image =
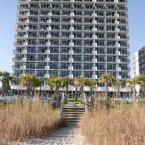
column 74, row 101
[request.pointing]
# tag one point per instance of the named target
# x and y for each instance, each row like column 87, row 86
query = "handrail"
column 62, row 104
column 87, row 103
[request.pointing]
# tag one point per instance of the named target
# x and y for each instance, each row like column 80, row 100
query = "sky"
column 8, row 10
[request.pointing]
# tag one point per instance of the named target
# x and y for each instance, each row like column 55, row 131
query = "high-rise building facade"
column 72, row 38
column 136, row 64
column 141, row 60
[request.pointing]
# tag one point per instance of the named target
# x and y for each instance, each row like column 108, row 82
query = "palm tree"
column 67, row 81
column 132, row 84
column 106, row 79
column 51, row 82
column 141, row 83
column 35, row 82
column 26, row 81
column 30, row 82
column 55, row 83
column 5, row 78
column 91, row 84
column 79, row 82
column 117, row 85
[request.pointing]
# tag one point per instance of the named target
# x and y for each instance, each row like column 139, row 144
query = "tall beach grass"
column 18, row 122
column 118, row 126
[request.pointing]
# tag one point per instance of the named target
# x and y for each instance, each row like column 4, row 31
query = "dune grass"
column 17, row 122
column 119, row 126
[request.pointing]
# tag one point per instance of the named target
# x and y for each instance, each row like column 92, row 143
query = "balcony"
column 116, row 1
column 118, row 76
column 71, row 59
column 94, row 44
column 48, row 44
column 72, row 14
column 70, row 76
column 94, row 14
column 116, row 15
column 71, row 36
column 117, row 52
column 24, row 51
column 71, row 52
column 47, row 59
column 94, row 60
column 71, row 28
column 25, row 43
column 46, row 76
column 47, row 67
column 48, row 36
column 48, row 51
column 118, row 60
column 94, row 52
column 23, row 67
column 94, row 29
column 118, row 68
column 117, row 37
column 27, row 21
column 24, row 59
column 117, row 22
column 50, row 14
column 26, row 28
column 49, row 21
column 117, row 45
column 26, row 36
column 71, row 21
column 94, row 76
column 49, row 28
column 71, row 44
column 28, row 14
column 117, row 30
column 94, row 68
column 94, row 22
column 70, row 68
column 94, row 36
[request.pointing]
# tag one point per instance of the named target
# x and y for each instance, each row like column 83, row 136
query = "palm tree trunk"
column 57, row 97
column 106, row 93
column 28, row 92
column 66, row 90
column 76, row 94
column 3, row 92
column 30, row 104
column 118, row 92
column 81, row 90
column 51, row 91
column 40, row 93
column 32, row 92
column 135, row 93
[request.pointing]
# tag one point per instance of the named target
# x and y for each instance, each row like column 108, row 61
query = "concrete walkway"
column 65, row 136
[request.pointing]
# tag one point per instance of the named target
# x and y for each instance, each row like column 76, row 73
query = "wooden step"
column 73, row 114
column 73, row 109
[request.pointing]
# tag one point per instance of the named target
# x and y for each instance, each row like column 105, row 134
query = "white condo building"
column 136, row 64
column 72, row 38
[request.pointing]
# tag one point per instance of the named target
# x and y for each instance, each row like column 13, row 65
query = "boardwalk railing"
column 87, row 101
column 62, row 105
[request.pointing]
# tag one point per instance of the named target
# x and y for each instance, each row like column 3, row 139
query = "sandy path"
column 65, row 136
